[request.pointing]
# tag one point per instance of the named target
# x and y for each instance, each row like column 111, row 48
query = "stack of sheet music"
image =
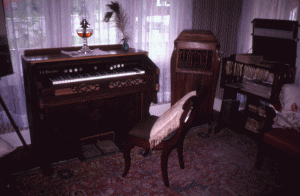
column 257, row 88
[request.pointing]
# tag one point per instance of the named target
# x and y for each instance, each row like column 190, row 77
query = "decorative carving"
column 195, row 59
column 82, row 88
column 128, row 82
column 86, row 88
column 95, row 115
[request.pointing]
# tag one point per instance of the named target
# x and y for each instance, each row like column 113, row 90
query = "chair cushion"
column 168, row 122
column 286, row 140
column 143, row 128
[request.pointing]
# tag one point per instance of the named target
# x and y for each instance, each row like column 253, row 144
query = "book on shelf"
column 262, row 111
column 253, row 108
column 254, row 125
column 229, row 110
column 251, row 128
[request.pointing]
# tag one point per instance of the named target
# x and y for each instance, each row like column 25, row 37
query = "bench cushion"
column 284, row 139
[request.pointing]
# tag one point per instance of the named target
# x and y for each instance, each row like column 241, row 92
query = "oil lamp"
column 84, row 31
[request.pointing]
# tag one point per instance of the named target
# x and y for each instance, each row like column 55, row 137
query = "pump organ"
column 73, row 98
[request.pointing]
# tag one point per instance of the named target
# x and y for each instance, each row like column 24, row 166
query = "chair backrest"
column 190, row 107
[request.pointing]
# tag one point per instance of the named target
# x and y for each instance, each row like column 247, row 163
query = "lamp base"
column 85, row 50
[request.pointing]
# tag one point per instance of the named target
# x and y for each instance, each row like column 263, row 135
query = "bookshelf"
column 261, row 83
column 260, row 75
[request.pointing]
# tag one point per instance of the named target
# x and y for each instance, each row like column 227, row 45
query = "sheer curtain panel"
column 153, row 26
column 156, row 24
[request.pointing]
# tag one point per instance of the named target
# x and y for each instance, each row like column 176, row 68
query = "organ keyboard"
column 70, row 99
column 95, row 75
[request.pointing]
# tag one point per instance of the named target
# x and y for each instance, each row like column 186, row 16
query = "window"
column 163, row 2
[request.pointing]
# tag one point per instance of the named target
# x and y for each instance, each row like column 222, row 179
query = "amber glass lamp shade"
column 84, row 33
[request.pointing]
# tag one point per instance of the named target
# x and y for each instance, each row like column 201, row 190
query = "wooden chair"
column 139, row 136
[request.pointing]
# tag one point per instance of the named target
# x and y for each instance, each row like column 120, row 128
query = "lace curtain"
column 153, row 26
column 267, row 9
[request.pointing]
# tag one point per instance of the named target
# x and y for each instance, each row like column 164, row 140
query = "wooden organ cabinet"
column 195, row 61
column 72, row 99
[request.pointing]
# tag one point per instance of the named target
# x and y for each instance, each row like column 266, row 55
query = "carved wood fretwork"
column 86, row 88
column 82, row 88
column 195, row 59
column 125, row 83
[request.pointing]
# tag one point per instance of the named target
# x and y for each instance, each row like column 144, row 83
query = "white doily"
column 95, row 52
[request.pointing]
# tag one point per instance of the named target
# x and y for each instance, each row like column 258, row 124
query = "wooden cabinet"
column 195, row 61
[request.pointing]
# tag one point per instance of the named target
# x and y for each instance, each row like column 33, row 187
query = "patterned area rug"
column 221, row 164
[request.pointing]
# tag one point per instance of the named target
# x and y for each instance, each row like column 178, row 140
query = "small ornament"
column 121, row 21
column 125, row 45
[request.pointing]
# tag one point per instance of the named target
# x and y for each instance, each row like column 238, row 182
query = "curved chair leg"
column 164, row 166
column 127, row 159
column 180, row 155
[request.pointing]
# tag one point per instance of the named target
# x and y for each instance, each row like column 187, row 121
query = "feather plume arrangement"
column 120, row 16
